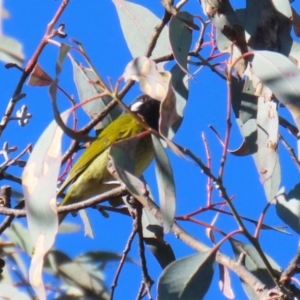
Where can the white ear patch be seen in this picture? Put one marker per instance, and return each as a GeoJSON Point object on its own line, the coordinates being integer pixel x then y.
{"type": "Point", "coordinates": [137, 105]}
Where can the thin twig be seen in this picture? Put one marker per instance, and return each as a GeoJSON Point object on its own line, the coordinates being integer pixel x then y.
{"type": "Point", "coordinates": [116, 192]}
{"type": "Point", "coordinates": [205, 62]}
{"type": "Point", "coordinates": [290, 127]}
{"type": "Point", "coordinates": [141, 291]}
{"type": "Point", "coordinates": [147, 281]}
{"type": "Point", "coordinates": [257, 286]}
{"type": "Point", "coordinates": [15, 160]}
{"type": "Point", "coordinates": [158, 29]}
{"type": "Point", "coordinates": [228, 127]}
{"type": "Point", "coordinates": [122, 261]}
{"type": "Point", "coordinates": [7, 221]}
{"type": "Point", "coordinates": [200, 40]}
{"type": "Point", "coordinates": [209, 186]}
{"type": "Point", "coordinates": [260, 220]}
{"type": "Point", "coordinates": [11, 177]}
{"type": "Point", "coordinates": [222, 190]}
{"type": "Point", "coordinates": [30, 66]}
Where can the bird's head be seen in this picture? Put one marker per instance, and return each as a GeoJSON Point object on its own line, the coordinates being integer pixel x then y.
{"type": "Point", "coordinates": [148, 108]}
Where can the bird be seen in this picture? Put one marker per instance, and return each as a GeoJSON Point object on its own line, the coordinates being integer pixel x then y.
{"type": "Point", "coordinates": [89, 175]}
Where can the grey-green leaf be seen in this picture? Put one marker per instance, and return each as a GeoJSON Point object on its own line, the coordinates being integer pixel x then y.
{"type": "Point", "coordinates": [282, 77]}
{"type": "Point", "coordinates": [63, 51]}
{"type": "Point", "coordinates": [181, 38]}
{"type": "Point", "coordinates": [11, 51]}
{"type": "Point", "coordinates": [87, 88]}
{"type": "Point", "coordinates": [254, 263]}
{"type": "Point", "coordinates": [19, 235]}
{"type": "Point", "coordinates": [10, 292]}
{"type": "Point", "coordinates": [121, 166]}
{"type": "Point", "coordinates": [138, 24]}
{"type": "Point", "coordinates": [172, 108]}
{"type": "Point", "coordinates": [165, 182]}
{"type": "Point", "coordinates": [161, 250]}
{"type": "Point", "coordinates": [288, 207]}
{"type": "Point", "coordinates": [188, 277]}
{"type": "Point", "coordinates": [244, 104]}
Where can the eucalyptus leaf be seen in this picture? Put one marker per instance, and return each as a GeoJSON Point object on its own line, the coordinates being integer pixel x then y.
{"type": "Point", "coordinates": [181, 38]}
{"type": "Point", "coordinates": [282, 77]}
{"type": "Point", "coordinates": [187, 278]}
{"type": "Point", "coordinates": [138, 24]}
{"type": "Point", "coordinates": [11, 50]}
{"type": "Point", "coordinates": [161, 250]}
{"type": "Point", "coordinates": [166, 184]}
{"type": "Point", "coordinates": [39, 180]}
{"type": "Point", "coordinates": [288, 207]}
{"type": "Point", "coordinates": [10, 292]}
{"type": "Point", "coordinates": [254, 263]}
{"type": "Point", "coordinates": [88, 88]}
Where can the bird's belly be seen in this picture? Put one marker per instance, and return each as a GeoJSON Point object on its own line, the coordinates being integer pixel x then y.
{"type": "Point", "coordinates": [96, 179]}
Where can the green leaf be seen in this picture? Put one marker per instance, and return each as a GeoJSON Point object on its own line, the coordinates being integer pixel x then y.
{"type": "Point", "coordinates": [98, 260]}
{"type": "Point", "coordinates": [54, 259]}
{"type": "Point", "coordinates": [255, 265]}
{"type": "Point", "coordinates": [63, 51]}
{"type": "Point", "coordinates": [246, 111]}
{"type": "Point", "coordinates": [20, 263]}
{"type": "Point", "coordinates": [288, 207]}
{"type": "Point", "coordinates": [39, 181]}
{"type": "Point", "coordinates": [230, 31]}
{"type": "Point", "coordinates": [268, 164]}
{"type": "Point", "coordinates": [71, 133]}
{"type": "Point", "coordinates": [78, 274]}
{"type": "Point", "coordinates": [166, 184]}
{"type": "Point", "coordinates": [88, 230]}
{"type": "Point", "coordinates": [19, 235]}
{"type": "Point", "coordinates": [99, 257]}
{"type": "Point", "coordinates": [87, 88]}
{"type": "Point", "coordinates": [121, 166]}
{"type": "Point", "coordinates": [67, 227]}
{"type": "Point", "coordinates": [181, 38]}
{"type": "Point", "coordinates": [153, 238]}
{"type": "Point", "coordinates": [161, 250]}
{"type": "Point", "coordinates": [188, 277]}
{"type": "Point", "coordinates": [138, 25]}
{"type": "Point", "coordinates": [173, 105]}
{"type": "Point", "coordinates": [11, 51]}
{"type": "Point", "coordinates": [151, 226]}
{"type": "Point", "coordinates": [10, 292]}
{"type": "Point", "coordinates": [282, 77]}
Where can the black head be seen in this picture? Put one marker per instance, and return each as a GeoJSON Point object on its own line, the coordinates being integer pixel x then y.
{"type": "Point", "coordinates": [148, 108]}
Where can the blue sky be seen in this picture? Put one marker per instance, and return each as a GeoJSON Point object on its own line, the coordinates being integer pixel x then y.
{"type": "Point", "coordinates": [96, 25]}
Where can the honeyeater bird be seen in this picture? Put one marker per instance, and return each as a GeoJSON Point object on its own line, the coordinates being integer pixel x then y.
{"type": "Point", "coordinates": [89, 175]}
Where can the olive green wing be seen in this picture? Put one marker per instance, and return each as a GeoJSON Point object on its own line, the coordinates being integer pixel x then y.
{"type": "Point", "coordinates": [123, 127]}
